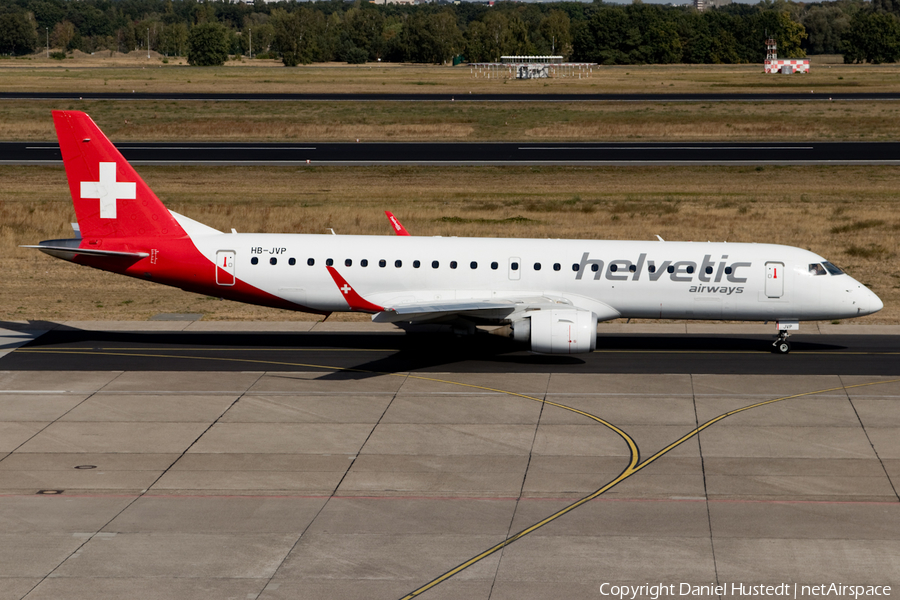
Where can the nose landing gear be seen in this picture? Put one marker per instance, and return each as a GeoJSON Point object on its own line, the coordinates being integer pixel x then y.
{"type": "Point", "coordinates": [781, 345]}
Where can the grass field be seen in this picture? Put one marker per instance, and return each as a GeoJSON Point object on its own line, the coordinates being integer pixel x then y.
{"type": "Point", "coordinates": [848, 214]}
{"type": "Point", "coordinates": [135, 72]}
{"type": "Point", "coordinates": [463, 121]}
{"type": "Point", "coordinates": [436, 121]}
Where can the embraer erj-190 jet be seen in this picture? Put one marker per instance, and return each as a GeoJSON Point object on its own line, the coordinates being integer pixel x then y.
{"type": "Point", "coordinates": [551, 293]}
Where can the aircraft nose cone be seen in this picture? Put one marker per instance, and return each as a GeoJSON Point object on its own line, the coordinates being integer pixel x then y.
{"type": "Point", "coordinates": [874, 304]}
{"type": "Point", "coordinates": [866, 301]}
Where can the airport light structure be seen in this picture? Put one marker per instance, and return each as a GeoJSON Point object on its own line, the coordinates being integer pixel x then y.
{"type": "Point", "coordinates": [786, 66]}
{"type": "Point", "coordinates": [532, 67]}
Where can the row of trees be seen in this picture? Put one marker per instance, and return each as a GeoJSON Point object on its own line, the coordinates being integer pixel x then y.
{"type": "Point", "coordinates": [207, 32]}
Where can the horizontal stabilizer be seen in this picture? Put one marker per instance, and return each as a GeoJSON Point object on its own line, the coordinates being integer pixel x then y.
{"type": "Point", "coordinates": [70, 251]}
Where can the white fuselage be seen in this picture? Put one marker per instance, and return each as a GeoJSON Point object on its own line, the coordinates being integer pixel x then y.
{"type": "Point", "coordinates": [635, 279]}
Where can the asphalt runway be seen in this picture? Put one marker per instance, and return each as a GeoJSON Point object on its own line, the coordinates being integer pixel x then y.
{"type": "Point", "coordinates": [317, 465]}
{"type": "Point", "coordinates": [457, 153]}
{"type": "Point", "coordinates": [366, 354]}
{"type": "Point", "coordinates": [811, 96]}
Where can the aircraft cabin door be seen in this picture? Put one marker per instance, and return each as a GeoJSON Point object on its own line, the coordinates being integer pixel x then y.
{"type": "Point", "coordinates": [774, 279]}
{"type": "Point", "coordinates": [515, 269]}
{"type": "Point", "coordinates": [225, 267]}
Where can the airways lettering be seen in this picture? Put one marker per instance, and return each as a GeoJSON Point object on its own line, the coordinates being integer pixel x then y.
{"type": "Point", "coordinates": [703, 289]}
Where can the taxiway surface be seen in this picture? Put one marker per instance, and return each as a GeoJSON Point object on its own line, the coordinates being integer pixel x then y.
{"type": "Point", "coordinates": [476, 153]}
{"type": "Point", "coordinates": [283, 474]}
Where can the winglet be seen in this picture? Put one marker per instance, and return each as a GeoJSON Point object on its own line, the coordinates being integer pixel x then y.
{"type": "Point", "coordinates": [354, 300]}
{"type": "Point", "coordinates": [398, 228]}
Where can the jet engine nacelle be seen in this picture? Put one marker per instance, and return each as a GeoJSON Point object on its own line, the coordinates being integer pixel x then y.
{"type": "Point", "coordinates": [558, 331]}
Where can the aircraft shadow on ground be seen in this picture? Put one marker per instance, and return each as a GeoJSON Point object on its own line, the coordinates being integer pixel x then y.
{"type": "Point", "coordinates": [390, 353]}
{"type": "Point", "coordinates": [376, 353]}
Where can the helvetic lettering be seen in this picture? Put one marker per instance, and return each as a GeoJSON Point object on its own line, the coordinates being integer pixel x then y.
{"type": "Point", "coordinates": [657, 273]}
{"type": "Point", "coordinates": [585, 262]}
{"type": "Point", "coordinates": [733, 275]}
{"type": "Point", "coordinates": [620, 273]}
{"type": "Point", "coordinates": [702, 275]}
{"type": "Point", "coordinates": [639, 267]}
{"type": "Point", "coordinates": [682, 271]}
{"type": "Point", "coordinates": [721, 269]}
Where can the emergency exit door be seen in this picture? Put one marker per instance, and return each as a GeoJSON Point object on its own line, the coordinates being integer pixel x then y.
{"type": "Point", "coordinates": [225, 267]}
{"type": "Point", "coordinates": [774, 279]}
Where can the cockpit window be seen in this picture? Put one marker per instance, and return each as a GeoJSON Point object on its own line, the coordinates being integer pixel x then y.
{"type": "Point", "coordinates": [817, 269]}
{"type": "Point", "coordinates": [832, 269]}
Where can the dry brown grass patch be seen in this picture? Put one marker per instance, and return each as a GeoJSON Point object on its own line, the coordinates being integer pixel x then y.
{"type": "Point", "coordinates": [735, 204]}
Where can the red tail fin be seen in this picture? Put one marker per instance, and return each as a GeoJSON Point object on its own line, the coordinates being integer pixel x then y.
{"type": "Point", "coordinates": [111, 200]}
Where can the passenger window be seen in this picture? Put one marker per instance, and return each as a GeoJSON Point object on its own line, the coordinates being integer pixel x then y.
{"type": "Point", "coordinates": [364, 262]}
{"type": "Point", "coordinates": [595, 267]}
{"type": "Point", "coordinates": [348, 262]}
{"type": "Point", "coordinates": [382, 263]}
{"type": "Point", "coordinates": [329, 262]}
{"type": "Point", "coordinates": [632, 268]}
{"type": "Point", "coordinates": [494, 265]}
{"type": "Point", "coordinates": [273, 261]}
{"type": "Point", "coordinates": [310, 261]}
{"type": "Point", "coordinates": [613, 267]}
{"type": "Point", "coordinates": [709, 270]}
{"type": "Point", "coordinates": [514, 266]}
{"type": "Point", "coordinates": [575, 267]}
{"type": "Point", "coordinates": [652, 268]}
{"type": "Point", "coordinates": [670, 269]}
{"type": "Point", "coordinates": [452, 264]}
{"type": "Point", "coordinates": [435, 264]}
{"type": "Point", "coordinates": [416, 264]}
{"type": "Point", "coordinates": [728, 270]}
{"type": "Point", "coordinates": [292, 261]}
{"type": "Point", "coordinates": [690, 269]}
{"type": "Point", "coordinates": [398, 263]}
{"type": "Point", "coordinates": [537, 266]}
{"type": "Point", "coordinates": [557, 266]}
{"type": "Point", "coordinates": [254, 260]}
{"type": "Point", "coordinates": [473, 265]}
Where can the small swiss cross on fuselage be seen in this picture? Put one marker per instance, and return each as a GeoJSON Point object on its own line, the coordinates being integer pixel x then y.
{"type": "Point", "coordinates": [346, 289]}
{"type": "Point", "coordinates": [108, 190]}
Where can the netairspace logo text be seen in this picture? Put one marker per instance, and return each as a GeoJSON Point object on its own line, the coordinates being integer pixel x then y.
{"type": "Point", "coordinates": [737, 590]}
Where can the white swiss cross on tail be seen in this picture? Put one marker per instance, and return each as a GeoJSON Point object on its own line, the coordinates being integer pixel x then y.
{"type": "Point", "coordinates": [108, 190]}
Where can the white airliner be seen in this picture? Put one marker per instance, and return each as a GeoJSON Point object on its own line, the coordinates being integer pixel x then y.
{"type": "Point", "coordinates": [551, 293]}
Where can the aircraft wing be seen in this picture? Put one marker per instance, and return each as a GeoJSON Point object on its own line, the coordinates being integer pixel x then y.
{"type": "Point", "coordinates": [489, 309]}
{"type": "Point", "coordinates": [387, 310]}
